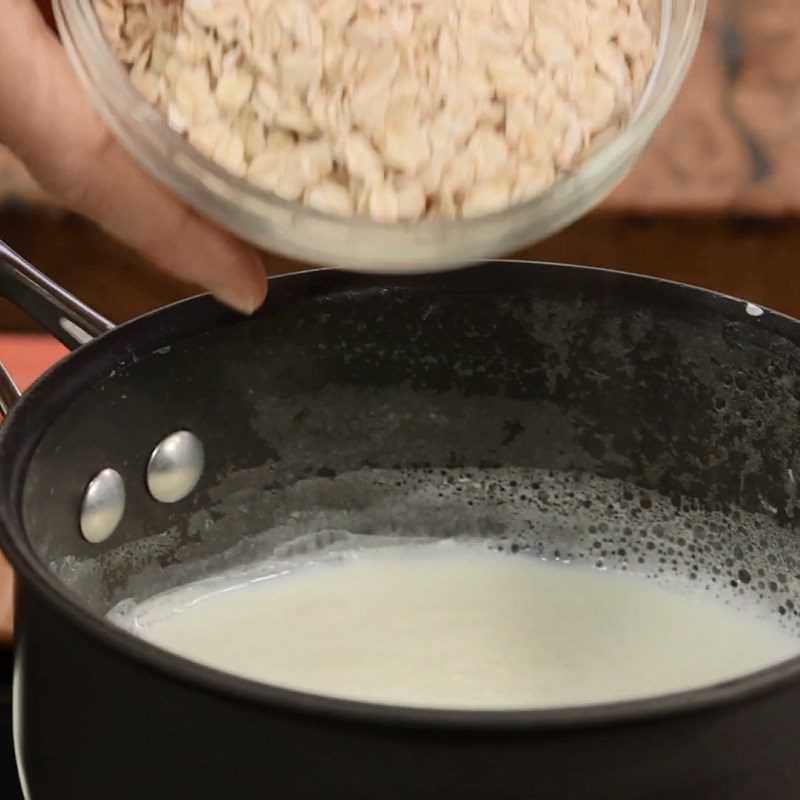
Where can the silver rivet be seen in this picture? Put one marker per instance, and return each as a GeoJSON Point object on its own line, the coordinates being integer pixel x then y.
{"type": "Point", "coordinates": [175, 467]}
{"type": "Point", "coordinates": [103, 505]}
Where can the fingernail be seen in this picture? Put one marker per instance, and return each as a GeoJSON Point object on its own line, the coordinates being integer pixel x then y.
{"type": "Point", "coordinates": [244, 302]}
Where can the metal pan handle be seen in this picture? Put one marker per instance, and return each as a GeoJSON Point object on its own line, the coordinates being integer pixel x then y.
{"type": "Point", "coordinates": [68, 319]}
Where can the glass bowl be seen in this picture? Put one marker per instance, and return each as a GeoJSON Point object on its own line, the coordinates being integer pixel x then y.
{"type": "Point", "coordinates": [357, 243]}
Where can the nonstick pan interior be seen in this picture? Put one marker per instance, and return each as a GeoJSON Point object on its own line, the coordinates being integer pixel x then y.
{"type": "Point", "coordinates": [575, 414]}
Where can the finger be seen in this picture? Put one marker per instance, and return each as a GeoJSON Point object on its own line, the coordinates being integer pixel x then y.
{"type": "Point", "coordinates": [124, 201]}
{"type": "Point", "coordinates": [46, 10]}
{"type": "Point", "coordinates": [48, 121]}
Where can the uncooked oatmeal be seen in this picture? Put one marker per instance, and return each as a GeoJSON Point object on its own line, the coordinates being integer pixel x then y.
{"type": "Point", "coordinates": [392, 109]}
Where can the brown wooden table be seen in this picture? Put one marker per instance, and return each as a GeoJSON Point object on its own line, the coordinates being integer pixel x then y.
{"type": "Point", "coordinates": [714, 200]}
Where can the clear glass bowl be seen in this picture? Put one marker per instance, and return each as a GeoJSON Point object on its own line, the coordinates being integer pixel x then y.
{"type": "Point", "coordinates": [361, 244]}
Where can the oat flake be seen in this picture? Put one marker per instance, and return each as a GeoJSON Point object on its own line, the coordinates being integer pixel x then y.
{"type": "Point", "coordinates": [395, 109]}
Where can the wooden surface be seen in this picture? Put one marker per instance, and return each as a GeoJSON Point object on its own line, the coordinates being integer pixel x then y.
{"type": "Point", "coordinates": [27, 357]}
{"type": "Point", "coordinates": [731, 142]}
{"type": "Point", "coordinates": [714, 199]}
{"type": "Point", "coordinates": [753, 258]}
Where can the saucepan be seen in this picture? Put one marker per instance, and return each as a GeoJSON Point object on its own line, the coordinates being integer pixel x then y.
{"type": "Point", "coordinates": [193, 438]}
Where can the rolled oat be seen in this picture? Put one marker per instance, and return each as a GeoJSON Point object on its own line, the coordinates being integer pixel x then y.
{"type": "Point", "coordinates": [395, 109]}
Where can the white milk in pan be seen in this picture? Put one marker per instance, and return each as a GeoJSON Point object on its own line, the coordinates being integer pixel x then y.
{"type": "Point", "coordinates": [460, 626]}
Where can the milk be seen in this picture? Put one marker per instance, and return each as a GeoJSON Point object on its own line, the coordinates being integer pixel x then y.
{"type": "Point", "coordinates": [461, 626]}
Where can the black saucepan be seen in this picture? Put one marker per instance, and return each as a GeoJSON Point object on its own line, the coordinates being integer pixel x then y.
{"type": "Point", "coordinates": [574, 413]}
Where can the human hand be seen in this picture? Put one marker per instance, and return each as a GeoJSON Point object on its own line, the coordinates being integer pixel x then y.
{"type": "Point", "coordinates": [48, 122]}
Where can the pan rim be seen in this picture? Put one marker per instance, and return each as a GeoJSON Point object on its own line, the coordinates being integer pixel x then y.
{"type": "Point", "coordinates": [200, 313]}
